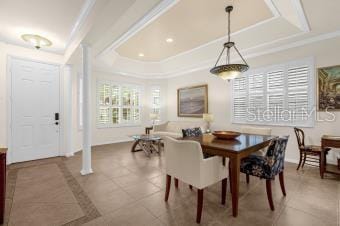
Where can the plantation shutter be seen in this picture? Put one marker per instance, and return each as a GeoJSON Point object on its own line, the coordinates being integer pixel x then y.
{"type": "Point", "coordinates": [156, 101]}
{"type": "Point", "coordinates": [256, 98]}
{"type": "Point", "coordinates": [104, 96]}
{"type": "Point", "coordinates": [239, 99]}
{"type": "Point", "coordinates": [298, 92]}
{"type": "Point", "coordinates": [275, 95]}
{"type": "Point", "coordinates": [117, 104]}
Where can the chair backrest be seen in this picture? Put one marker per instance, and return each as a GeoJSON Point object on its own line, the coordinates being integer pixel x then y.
{"type": "Point", "coordinates": [177, 126]}
{"type": "Point", "coordinates": [256, 130]}
{"type": "Point", "coordinates": [300, 136]}
{"type": "Point", "coordinates": [275, 155]}
{"type": "Point", "coordinates": [183, 159]}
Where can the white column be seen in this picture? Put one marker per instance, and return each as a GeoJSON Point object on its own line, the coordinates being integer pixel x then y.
{"type": "Point", "coordinates": [68, 110]}
{"type": "Point", "coordinates": [86, 153]}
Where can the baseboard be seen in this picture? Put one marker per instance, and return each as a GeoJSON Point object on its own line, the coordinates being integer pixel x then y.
{"type": "Point", "coordinates": [99, 144]}
{"type": "Point", "coordinates": [292, 160]}
{"type": "Point", "coordinates": [114, 142]}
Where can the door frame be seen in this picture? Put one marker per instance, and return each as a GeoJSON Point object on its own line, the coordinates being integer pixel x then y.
{"type": "Point", "coordinates": [9, 104]}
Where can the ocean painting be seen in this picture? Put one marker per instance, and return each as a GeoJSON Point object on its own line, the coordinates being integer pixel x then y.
{"type": "Point", "coordinates": [192, 101]}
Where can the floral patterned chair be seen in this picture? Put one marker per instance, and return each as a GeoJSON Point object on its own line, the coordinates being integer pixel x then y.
{"type": "Point", "coordinates": [268, 166]}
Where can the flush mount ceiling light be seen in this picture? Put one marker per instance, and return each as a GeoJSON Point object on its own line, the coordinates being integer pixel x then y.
{"type": "Point", "coordinates": [36, 40]}
{"type": "Point", "coordinates": [229, 71]}
{"type": "Point", "coordinates": [169, 40]}
{"type": "Point", "coordinates": [141, 54]}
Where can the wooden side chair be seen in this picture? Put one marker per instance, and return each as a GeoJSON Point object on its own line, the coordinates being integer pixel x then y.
{"type": "Point", "coordinates": [268, 166]}
{"type": "Point", "coordinates": [185, 162]}
{"type": "Point", "coordinates": [309, 154]}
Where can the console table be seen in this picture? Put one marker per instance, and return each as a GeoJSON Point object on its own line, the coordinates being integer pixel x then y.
{"type": "Point", "coordinates": [331, 142]}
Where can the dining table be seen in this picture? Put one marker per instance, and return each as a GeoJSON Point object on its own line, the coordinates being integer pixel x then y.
{"type": "Point", "coordinates": [235, 150]}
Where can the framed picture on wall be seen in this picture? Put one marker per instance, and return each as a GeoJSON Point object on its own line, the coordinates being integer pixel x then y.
{"type": "Point", "coordinates": [329, 88]}
{"type": "Point", "coordinates": [192, 101]}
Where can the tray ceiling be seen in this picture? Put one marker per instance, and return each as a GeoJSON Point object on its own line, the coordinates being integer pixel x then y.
{"type": "Point", "coordinates": [191, 23]}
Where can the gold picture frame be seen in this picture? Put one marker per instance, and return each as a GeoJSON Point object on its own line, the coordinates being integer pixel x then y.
{"type": "Point", "coordinates": [192, 101]}
{"type": "Point", "coordinates": [328, 88]}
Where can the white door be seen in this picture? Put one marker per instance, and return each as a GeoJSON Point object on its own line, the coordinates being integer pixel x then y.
{"type": "Point", "coordinates": [35, 101]}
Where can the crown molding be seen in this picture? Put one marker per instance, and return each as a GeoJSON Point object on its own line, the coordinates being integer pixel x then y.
{"type": "Point", "coordinates": [301, 14]}
{"type": "Point", "coordinates": [207, 63]}
{"type": "Point", "coordinates": [157, 11]}
{"type": "Point", "coordinates": [84, 12]}
{"type": "Point", "coordinates": [269, 3]}
{"type": "Point", "coordinates": [162, 8]}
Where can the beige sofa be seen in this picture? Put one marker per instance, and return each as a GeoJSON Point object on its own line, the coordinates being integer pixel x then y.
{"type": "Point", "coordinates": [174, 128]}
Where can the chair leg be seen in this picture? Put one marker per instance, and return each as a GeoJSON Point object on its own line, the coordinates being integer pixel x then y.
{"type": "Point", "coordinates": [247, 178]}
{"type": "Point", "coordinates": [304, 160]}
{"type": "Point", "coordinates": [199, 205]}
{"type": "Point", "coordinates": [299, 161]}
{"type": "Point", "coordinates": [320, 163]}
{"type": "Point", "coordinates": [282, 183]}
{"type": "Point", "coordinates": [224, 190]}
{"type": "Point", "coordinates": [229, 176]}
{"type": "Point", "coordinates": [190, 186]}
{"type": "Point", "coordinates": [167, 190]}
{"type": "Point", "coordinates": [269, 194]}
{"type": "Point", "coordinates": [176, 182]}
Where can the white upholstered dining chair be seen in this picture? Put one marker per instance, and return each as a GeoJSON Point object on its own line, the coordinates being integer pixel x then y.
{"type": "Point", "coordinates": [185, 161]}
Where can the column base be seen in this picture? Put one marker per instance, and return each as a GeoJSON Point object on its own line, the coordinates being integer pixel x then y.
{"type": "Point", "coordinates": [86, 172]}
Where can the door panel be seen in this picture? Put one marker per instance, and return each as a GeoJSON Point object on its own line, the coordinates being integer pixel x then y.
{"type": "Point", "coordinates": [35, 100]}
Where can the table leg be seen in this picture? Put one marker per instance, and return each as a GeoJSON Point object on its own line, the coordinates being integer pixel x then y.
{"type": "Point", "coordinates": [235, 181]}
{"type": "Point", "coordinates": [322, 162]}
{"type": "Point", "coordinates": [133, 148]}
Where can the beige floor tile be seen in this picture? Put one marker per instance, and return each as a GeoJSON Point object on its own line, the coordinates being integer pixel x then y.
{"type": "Point", "coordinates": [132, 215]}
{"type": "Point", "coordinates": [141, 190]}
{"type": "Point", "coordinates": [110, 201]}
{"type": "Point", "coordinates": [295, 217]}
{"type": "Point", "coordinates": [44, 214]}
{"type": "Point", "coordinates": [128, 189]}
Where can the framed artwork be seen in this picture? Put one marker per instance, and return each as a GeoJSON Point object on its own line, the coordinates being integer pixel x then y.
{"type": "Point", "coordinates": [192, 101]}
{"type": "Point", "coordinates": [329, 88]}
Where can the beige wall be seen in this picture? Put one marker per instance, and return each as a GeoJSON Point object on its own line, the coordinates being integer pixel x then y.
{"type": "Point", "coordinates": [115, 134]}
{"type": "Point", "coordinates": [325, 53]}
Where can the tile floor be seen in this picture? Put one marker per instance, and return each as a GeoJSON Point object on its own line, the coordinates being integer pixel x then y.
{"type": "Point", "coordinates": [128, 189]}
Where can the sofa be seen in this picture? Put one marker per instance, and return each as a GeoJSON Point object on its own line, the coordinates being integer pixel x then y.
{"type": "Point", "coordinates": [174, 128]}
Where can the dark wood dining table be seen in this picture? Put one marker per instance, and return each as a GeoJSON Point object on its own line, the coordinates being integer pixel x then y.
{"type": "Point", "coordinates": [235, 150]}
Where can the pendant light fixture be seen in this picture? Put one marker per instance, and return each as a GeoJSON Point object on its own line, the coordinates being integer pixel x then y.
{"type": "Point", "coordinates": [229, 71]}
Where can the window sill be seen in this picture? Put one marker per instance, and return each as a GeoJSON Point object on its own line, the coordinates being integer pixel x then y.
{"type": "Point", "coordinates": [118, 126]}
{"type": "Point", "coordinates": [309, 125]}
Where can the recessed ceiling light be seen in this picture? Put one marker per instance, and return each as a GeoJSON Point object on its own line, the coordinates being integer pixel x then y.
{"type": "Point", "coordinates": [36, 40]}
{"type": "Point", "coordinates": [141, 54]}
{"type": "Point", "coordinates": [169, 40]}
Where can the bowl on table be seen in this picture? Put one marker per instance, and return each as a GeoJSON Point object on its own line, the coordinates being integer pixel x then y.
{"type": "Point", "coordinates": [226, 135]}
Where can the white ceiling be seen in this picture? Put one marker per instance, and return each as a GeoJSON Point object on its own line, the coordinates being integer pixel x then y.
{"type": "Point", "coordinates": [293, 23]}
{"type": "Point", "coordinates": [191, 23]}
{"type": "Point", "coordinates": [53, 19]}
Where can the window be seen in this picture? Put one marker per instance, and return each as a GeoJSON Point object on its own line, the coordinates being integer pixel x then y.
{"type": "Point", "coordinates": [117, 104]}
{"type": "Point", "coordinates": [80, 101]}
{"type": "Point", "coordinates": [156, 101]}
{"type": "Point", "coordinates": [277, 95]}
